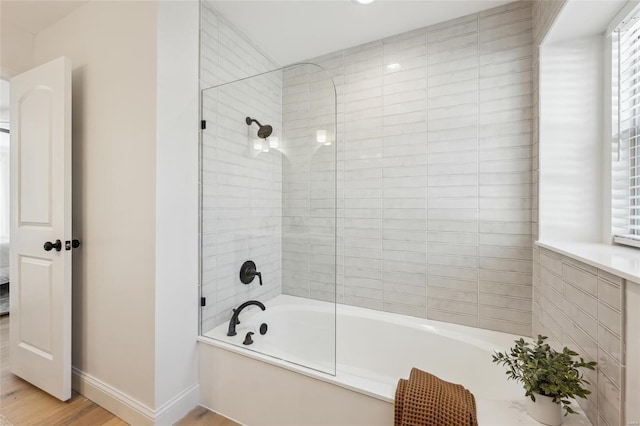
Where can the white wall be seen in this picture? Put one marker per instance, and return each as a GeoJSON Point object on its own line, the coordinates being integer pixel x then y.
{"type": "Point", "coordinates": [571, 133]}
{"type": "Point", "coordinates": [135, 135]}
{"type": "Point", "coordinates": [112, 46]}
{"type": "Point", "coordinates": [176, 316]}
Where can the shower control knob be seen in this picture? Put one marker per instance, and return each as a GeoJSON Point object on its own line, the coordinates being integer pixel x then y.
{"type": "Point", "coordinates": [248, 272]}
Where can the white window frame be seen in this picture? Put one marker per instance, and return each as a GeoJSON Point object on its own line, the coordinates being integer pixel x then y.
{"type": "Point", "coordinates": [625, 108]}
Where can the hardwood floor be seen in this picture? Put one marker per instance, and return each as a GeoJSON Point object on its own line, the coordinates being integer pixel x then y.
{"type": "Point", "coordinates": [200, 416]}
{"type": "Point", "coordinates": [24, 404]}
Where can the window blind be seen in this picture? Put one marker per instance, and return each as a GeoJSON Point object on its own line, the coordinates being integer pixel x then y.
{"type": "Point", "coordinates": [626, 148]}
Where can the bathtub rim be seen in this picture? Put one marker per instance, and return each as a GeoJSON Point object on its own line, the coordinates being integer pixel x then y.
{"type": "Point", "coordinates": [482, 338]}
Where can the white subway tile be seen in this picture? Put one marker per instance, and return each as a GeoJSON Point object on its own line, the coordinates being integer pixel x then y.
{"type": "Point", "coordinates": [456, 27]}
{"type": "Point", "coordinates": [520, 291]}
{"type": "Point", "coordinates": [451, 55]}
{"type": "Point", "coordinates": [514, 278]}
{"type": "Point", "coordinates": [609, 400]}
{"type": "Point", "coordinates": [457, 261]}
{"type": "Point", "coordinates": [452, 43]}
{"type": "Point", "coordinates": [452, 225]}
{"type": "Point", "coordinates": [451, 306]}
{"type": "Point", "coordinates": [506, 29]}
{"type": "Point", "coordinates": [470, 274]}
{"type": "Point", "coordinates": [521, 228]}
{"type": "Point", "coordinates": [580, 279]}
{"type": "Point", "coordinates": [451, 284]}
{"type": "Point", "coordinates": [500, 313]}
{"type": "Point", "coordinates": [610, 318]}
{"type": "Point", "coordinates": [496, 20]}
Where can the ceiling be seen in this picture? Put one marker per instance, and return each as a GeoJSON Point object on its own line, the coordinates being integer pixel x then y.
{"type": "Point", "coordinates": [35, 16]}
{"type": "Point", "coordinates": [581, 18]}
{"type": "Point", "coordinates": [291, 31]}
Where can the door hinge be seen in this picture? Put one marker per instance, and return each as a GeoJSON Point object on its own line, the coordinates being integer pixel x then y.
{"type": "Point", "coordinates": [203, 124]}
{"type": "Point", "coordinates": [203, 301]}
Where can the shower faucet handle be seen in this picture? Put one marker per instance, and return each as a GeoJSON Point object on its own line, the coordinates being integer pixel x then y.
{"type": "Point", "coordinates": [248, 272]}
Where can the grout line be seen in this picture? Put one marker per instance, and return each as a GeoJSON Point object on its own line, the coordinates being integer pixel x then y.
{"type": "Point", "coordinates": [478, 159]}
{"type": "Point", "coordinates": [426, 189]}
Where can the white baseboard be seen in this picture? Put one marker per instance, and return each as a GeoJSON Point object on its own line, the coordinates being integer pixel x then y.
{"type": "Point", "coordinates": [111, 399]}
{"type": "Point", "coordinates": [131, 410]}
{"type": "Point", "coordinates": [178, 407]}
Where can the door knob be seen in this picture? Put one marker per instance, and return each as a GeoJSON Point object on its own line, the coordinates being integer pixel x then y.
{"type": "Point", "coordinates": [71, 244]}
{"type": "Point", "coordinates": [48, 246]}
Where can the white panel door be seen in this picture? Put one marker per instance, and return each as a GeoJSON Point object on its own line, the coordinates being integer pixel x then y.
{"type": "Point", "coordinates": [40, 318]}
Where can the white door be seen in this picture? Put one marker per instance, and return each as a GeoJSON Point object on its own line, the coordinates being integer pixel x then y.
{"type": "Point", "coordinates": [40, 318]}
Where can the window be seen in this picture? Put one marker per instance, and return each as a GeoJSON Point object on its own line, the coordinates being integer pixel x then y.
{"type": "Point", "coordinates": [625, 211]}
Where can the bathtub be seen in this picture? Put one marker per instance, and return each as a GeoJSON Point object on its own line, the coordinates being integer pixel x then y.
{"type": "Point", "coordinates": [349, 379]}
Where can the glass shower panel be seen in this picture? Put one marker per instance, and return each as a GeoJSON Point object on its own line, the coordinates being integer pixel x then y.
{"type": "Point", "coordinates": [268, 185]}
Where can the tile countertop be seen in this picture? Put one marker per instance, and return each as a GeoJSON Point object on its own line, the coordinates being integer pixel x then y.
{"type": "Point", "coordinates": [615, 259]}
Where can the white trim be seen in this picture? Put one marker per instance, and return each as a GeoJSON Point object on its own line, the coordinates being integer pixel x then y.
{"type": "Point", "coordinates": [178, 407]}
{"type": "Point", "coordinates": [131, 410]}
{"type": "Point", "coordinates": [618, 260]}
{"type": "Point", "coordinates": [626, 10]}
{"type": "Point", "coordinates": [111, 399]}
{"type": "Point", "coordinates": [622, 239]}
{"type": "Point", "coordinates": [607, 137]}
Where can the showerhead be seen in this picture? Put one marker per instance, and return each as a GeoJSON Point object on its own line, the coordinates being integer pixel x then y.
{"type": "Point", "coordinates": [263, 131]}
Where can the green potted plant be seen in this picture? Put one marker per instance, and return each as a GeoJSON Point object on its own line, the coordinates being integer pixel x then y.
{"type": "Point", "coordinates": [550, 378]}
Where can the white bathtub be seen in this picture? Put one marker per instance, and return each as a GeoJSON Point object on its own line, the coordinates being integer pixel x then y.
{"type": "Point", "coordinates": [372, 350]}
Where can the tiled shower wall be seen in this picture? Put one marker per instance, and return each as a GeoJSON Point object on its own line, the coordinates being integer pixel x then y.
{"type": "Point", "coordinates": [582, 307]}
{"type": "Point", "coordinates": [241, 186]}
{"type": "Point", "coordinates": [434, 173]}
{"type": "Point", "coordinates": [309, 183]}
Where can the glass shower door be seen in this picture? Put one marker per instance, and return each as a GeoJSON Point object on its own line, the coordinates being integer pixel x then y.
{"type": "Point", "coordinates": [268, 215]}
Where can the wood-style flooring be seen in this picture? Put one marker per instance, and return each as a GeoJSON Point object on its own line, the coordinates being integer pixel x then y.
{"type": "Point", "coordinates": [24, 404]}
{"type": "Point", "coordinates": [200, 416]}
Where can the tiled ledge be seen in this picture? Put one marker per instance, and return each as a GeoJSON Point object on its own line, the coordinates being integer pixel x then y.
{"type": "Point", "coordinates": [618, 260]}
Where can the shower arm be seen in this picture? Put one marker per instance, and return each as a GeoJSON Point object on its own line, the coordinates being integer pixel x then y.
{"type": "Point", "coordinates": [250, 120]}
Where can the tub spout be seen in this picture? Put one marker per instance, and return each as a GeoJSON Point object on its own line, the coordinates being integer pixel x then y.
{"type": "Point", "coordinates": [236, 313]}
